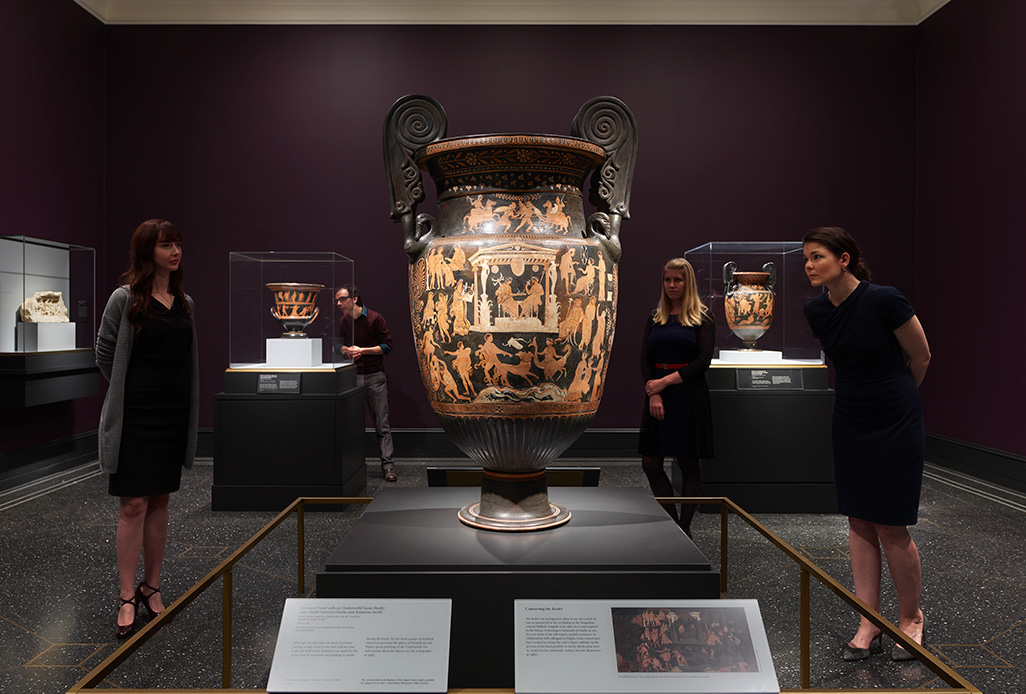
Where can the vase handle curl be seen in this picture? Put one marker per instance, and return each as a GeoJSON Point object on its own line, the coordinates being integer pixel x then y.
{"type": "Point", "coordinates": [728, 276]}
{"type": "Point", "coordinates": [606, 121]}
{"type": "Point", "coordinates": [413, 121]}
{"type": "Point", "coordinates": [771, 268]}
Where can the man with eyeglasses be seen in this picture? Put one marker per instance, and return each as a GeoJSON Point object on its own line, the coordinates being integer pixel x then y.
{"type": "Point", "coordinates": [371, 342]}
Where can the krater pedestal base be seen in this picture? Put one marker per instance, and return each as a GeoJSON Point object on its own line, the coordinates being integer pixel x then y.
{"type": "Point", "coordinates": [512, 502]}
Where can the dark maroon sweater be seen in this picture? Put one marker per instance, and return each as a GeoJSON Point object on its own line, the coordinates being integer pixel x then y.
{"type": "Point", "coordinates": [369, 330]}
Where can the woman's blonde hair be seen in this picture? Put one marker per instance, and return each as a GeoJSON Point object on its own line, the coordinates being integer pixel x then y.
{"type": "Point", "coordinates": [691, 306]}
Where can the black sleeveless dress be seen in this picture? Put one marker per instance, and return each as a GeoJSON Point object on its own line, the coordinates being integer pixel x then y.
{"type": "Point", "coordinates": [156, 410]}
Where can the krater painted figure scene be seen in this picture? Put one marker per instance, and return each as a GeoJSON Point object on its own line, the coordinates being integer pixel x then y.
{"type": "Point", "coordinates": [295, 306]}
{"type": "Point", "coordinates": [748, 302]}
{"type": "Point", "coordinates": [512, 289]}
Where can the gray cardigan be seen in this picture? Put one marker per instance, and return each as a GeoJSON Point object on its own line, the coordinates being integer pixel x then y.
{"type": "Point", "coordinates": [113, 350]}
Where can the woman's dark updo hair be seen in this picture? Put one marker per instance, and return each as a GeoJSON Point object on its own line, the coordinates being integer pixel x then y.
{"type": "Point", "coordinates": [838, 241]}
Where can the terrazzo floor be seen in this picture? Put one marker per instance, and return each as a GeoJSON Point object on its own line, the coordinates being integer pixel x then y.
{"type": "Point", "coordinates": [58, 583]}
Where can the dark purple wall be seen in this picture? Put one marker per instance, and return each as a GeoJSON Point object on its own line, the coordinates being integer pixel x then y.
{"type": "Point", "coordinates": [269, 138]}
{"type": "Point", "coordinates": [972, 219]}
{"type": "Point", "coordinates": [51, 162]}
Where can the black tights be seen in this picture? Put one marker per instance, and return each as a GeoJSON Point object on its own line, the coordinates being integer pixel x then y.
{"type": "Point", "coordinates": [660, 484]}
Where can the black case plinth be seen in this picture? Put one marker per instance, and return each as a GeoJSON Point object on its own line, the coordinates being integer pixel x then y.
{"type": "Point", "coordinates": [28, 379]}
{"type": "Point", "coordinates": [773, 447]}
{"type": "Point", "coordinates": [270, 448]}
{"type": "Point", "coordinates": [409, 543]}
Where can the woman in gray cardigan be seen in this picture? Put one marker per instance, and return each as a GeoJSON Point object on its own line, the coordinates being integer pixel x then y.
{"type": "Point", "coordinates": [146, 349]}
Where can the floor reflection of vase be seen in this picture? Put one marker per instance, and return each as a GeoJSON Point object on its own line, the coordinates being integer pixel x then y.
{"type": "Point", "coordinates": [295, 306]}
{"type": "Point", "coordinates": [512, 289]}
{"type": "Point", "coordinates": [748, 302]}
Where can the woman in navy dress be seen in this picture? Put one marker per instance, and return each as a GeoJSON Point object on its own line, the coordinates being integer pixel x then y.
{"type": "Point", "coordinates": [146, 348]}
{"type": "Point", "coordinates": [676, 351]}
{"type": "Point", "coordinates": [880, 355]}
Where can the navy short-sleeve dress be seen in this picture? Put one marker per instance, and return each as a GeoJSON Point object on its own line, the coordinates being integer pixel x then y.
{"type": "Point", "coordinates": [878, 435]}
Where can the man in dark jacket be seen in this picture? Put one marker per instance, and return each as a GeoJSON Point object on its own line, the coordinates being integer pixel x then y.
{"type": "Point", "coordinates": [371, 341]}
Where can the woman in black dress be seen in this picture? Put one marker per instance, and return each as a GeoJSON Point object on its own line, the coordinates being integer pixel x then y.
{"type": "Point", "coordinates": [880, 355]}
{"type": "Point", "coordinates": [146, 348]}
{"type": "Point", "coordinates": [676, 350]}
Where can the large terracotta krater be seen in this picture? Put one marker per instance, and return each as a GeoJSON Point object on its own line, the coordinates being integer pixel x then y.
{"type": "Point", "coordinates": [748, 302]}
{"type": "Point", "coordinates": [512, 289]}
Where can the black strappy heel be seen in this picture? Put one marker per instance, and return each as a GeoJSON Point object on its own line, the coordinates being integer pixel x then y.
{"type": "Point", "coordinates": [123, 632]}
{"type": "Point", "coordinates": [141, 597]}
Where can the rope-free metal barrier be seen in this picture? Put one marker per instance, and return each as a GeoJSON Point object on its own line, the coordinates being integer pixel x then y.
{"type": "Point", "coordinates": [808, 570]}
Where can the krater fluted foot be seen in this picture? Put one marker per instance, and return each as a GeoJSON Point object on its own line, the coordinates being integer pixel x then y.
{"type": "Point", "coordinates": [514, 502]}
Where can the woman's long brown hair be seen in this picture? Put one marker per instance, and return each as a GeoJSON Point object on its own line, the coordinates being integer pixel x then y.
{"type": "Point", "coordinates": [141, 269]}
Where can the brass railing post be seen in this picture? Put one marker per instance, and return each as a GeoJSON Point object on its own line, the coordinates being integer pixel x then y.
{"type": "Point", "coordinates": [226, 629]}
{"type": "Point", "coordinates": [301, 553]}
{"type": "Point", "coordinates": [807, 569]}
{"type": "Point", "coordinates": [806, 629]}
{"type": "Point", "coordinates": [724, 516]}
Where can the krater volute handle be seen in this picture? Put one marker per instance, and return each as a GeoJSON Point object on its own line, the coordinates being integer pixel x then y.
{"type": "Point", "coordinates": [413, 121]}
{"type": "Point", "coordinates": [606, 121]}
{"type": "Point", "coordinates": [771, 268]}
{"type": "Point", "coordinates": [728, 275]}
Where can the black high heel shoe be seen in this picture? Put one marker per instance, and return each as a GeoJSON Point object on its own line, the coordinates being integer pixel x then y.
{"type": "Point", "coordinates": [900, 654]}
{"type": "Point", "coordinates": [875, 648]}
{"type": "Point", "coordinates": [123, 632]}
{"type": "Point", "coordinates": [141, 597]}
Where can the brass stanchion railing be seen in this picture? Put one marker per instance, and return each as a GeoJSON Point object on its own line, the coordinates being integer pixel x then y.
{"type": "Point", "coordinates": [224, 572]}
{"type": "Point", "coordinates": [806, 567]}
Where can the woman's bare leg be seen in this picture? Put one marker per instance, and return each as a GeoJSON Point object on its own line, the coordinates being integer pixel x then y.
{"type": "Point", "coordinates": [154, 542]}
{"type": "Point", "coordinates": [866, 566]}
{"type": "Point", "coordinates": [907, 574]}
{"type": "Point", "coordinates": [129, 545]}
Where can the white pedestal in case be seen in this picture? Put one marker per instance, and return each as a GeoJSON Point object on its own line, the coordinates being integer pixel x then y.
{"type": "Point", "coordinates": [294, 353]}
{"type": "Point", "coordinates": [45, 337]}
{"type": "Point", "coordinates": [755, 356]}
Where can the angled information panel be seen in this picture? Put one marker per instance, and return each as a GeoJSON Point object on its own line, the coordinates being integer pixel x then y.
{"type": "Point", "coordinates": [362, 645]}
{"type": "Point", "coordinates": [641, 646]}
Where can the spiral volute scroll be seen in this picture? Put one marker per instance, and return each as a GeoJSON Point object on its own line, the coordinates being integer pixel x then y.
{"type": "Point", "coordinates": [413, 121]}
{"type": "Point", "coordinates": [607, 122]}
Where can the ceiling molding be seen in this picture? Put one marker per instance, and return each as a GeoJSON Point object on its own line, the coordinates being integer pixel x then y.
{"type": "Point", "coordinates": [842, 12]}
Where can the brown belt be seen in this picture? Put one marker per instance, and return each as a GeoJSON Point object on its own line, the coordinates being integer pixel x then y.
{"type": "Point", "coordinates": [670, 367]}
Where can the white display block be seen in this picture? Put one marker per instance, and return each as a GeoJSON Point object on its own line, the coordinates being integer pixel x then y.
{"type": "Point", "coordinates": [641, 647]}
{"type": "Point", "coordinates": [761, 356]}
{"type": "Point", "coordinates": [294, 352]}
{"type": "Point", "coordinates": [45, 337]}
{"type": "Point", "coordinates": [362, 645]}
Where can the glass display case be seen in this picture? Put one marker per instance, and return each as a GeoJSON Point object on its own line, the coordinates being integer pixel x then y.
{"type": "Point", "coordinates": [757, 291]}
{"type": "Point", "coordinates": [47, 295]}
{"type": "Point", "coordinates": [282, 312]}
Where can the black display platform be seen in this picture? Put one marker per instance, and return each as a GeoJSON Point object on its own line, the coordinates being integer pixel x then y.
{"type": "Point", "coordinates": [270, 448]}
{"type": "Point", "coordinates": [773, 446]}
{"type": "Point", "coordinates": [28, 379]}
{"type": "Point", "coordinates": [619, 544]}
